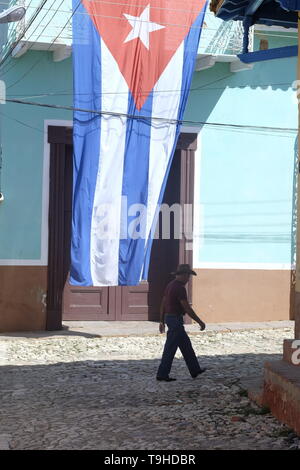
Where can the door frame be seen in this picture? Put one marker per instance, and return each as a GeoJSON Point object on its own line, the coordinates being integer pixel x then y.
{"type": "Point", "coordinates": [187, 144]}
{"type": "Point", "coordinates": [58, 138]}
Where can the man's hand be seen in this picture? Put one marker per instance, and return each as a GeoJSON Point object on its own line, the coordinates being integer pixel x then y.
{"type": "Point", "coordinates": [162, 327]}
{"type": "Point", "coordinates": [202, 325]}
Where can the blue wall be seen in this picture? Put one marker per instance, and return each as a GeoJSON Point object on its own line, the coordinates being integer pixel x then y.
{"type": "Point", "coordinates": [23, 148]}
{"type": "Point", "coordinates": [246, 177]}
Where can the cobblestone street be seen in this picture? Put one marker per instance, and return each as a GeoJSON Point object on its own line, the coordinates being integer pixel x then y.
{"type": "Point", "coordinates": [84, 392]}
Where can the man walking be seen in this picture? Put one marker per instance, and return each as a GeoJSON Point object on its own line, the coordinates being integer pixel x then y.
{"type": "Point", "coordinates": [173, 306]}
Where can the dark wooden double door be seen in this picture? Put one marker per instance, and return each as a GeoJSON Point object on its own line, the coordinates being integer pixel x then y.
{"type": "Point", "coordinates": [110, 303]}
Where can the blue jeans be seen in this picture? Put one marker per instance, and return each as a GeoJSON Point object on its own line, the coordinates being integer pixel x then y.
{"type": "Point", "coordinates": [177, 338]}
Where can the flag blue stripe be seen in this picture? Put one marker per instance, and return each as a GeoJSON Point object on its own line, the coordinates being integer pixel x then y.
{"type": "Point", "coordinates": [190, 54]}
{"type": "Point", "coordinates": [86, 139]}
{"type": "Point", "coordinates": [135, 189]}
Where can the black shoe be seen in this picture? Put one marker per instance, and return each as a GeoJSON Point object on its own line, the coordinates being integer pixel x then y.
{"type": "Point", "coordinates": [167, 379]}
{"type": "Point", "coordinates": [200, 372]}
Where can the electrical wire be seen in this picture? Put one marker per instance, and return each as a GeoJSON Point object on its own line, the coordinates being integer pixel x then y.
{"type": "Point", "coordinates": [205, 87]}
{"type": "Point", "coordinates": [192, 89]}
{"type": "Point", "coordinates": [43, 2]}
{"type": "Point", "coordinates": [134, 117]}
{"type": "Point", "coordinates": [4, 72]}
{"type": "Point", "coordinates": [39, 60]}
{"type": "Point", "coordinates": [153, 7]}
{"type": "Point", "coordinates": [154, 118]}
{"type": "Point", "coordinates": [12, 31]}
{"type": "Point", "coordinates": [34, 65]}
{"type": "Point", "coordinates": [22, 123]}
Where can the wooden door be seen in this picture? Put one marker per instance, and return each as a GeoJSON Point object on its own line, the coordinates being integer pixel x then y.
{"type": "Point", "coordinates": [167, 254]}
{"type": "Point", "coordinates": [89, 303]}
{"type": "Point", "coordinates": [108, 303]}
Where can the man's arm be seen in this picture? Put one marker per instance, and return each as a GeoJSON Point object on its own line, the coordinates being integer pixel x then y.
{"type": "Point", "coordinates": [188, 309]}
{"type": "Point", "coordinates": [162, 316]}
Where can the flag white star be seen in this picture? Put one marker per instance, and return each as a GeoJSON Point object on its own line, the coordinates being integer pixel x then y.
{"type": "Point", "coordinates": [142, 27]}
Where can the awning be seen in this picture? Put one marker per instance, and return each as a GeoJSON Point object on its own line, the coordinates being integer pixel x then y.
{"type": "Point", "coordinates": [267, 12]}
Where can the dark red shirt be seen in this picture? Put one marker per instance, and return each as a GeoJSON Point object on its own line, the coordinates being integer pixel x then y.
{"type": "Point", "coordinates": [174, 293]}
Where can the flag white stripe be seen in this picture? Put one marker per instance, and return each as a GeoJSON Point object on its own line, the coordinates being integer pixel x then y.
{"type": "Point", "coordinates": [163, 134]}
{"type": "Point", "coordinates": [108, 193]}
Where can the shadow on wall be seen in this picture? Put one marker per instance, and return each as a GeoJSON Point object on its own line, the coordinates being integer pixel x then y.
{"type": "Point", "coordinates": [209, 85]}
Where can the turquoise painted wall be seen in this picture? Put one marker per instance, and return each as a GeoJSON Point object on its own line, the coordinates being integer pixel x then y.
{"type": "Point", "coordinates": [246, 178]}
{"type": "Point", "coordinates": [23, 148]}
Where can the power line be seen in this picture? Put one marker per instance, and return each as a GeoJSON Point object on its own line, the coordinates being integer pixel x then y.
{"type": "Point", "coordinates": [64, 93]}
{"type": "Point", "coordinates": [32, 34]}
{"type": "Point", "coordinates": [204, 87]}
{"type": "Point", "coordinates": [39, 60]}
{"type": "Point", "coordinates": [15, 45]}
{"type": "Point", "coordinates": [115, 17]}
{"type": "Point", "coordinates": [22, 123]}
{"type": "Point", "coordinates": [43, 2]}
{"type": "Point", "coordinates": [154, 118]}
{"type": "Point", "coordinates": [192, 89]}
{"type": "Point", "coordinates": [77, 13]}
{"type": "Point", "coordinates": [144, 5]}
{"type": "Point", "coordinates": [61, 30]}
{"type": "Point", "coordinates": [8, 68]}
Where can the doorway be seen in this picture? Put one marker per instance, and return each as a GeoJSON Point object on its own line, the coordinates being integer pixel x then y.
{"type": "Point", "coordinates": [66, 302]}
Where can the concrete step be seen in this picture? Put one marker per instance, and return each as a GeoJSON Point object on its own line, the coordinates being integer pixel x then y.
{"type": "Point", "coordinates": [282, 392]}
{"type": "Point", "coordinates": [291, 351]}
{"type": "Point", "coordinates": [255, 389]}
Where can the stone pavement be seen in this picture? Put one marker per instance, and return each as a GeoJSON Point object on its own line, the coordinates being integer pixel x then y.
{"type": "Point", "coordinates": [144, 328]}
{"type": "Point", "coordinates": [85, 389]}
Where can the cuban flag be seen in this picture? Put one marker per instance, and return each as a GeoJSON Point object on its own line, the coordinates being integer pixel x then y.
{"type": "Point", "coordinates": [133, 65]}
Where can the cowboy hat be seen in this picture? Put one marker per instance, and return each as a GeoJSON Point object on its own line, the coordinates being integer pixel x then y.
{"type": "Point", "coordinates": [184, 269]}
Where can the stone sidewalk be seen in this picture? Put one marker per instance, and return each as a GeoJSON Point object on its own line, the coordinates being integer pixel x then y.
{"type": "Point", "coordinates": [143, 328]}
{"type": "Point", "coordinates": [89, 390]}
